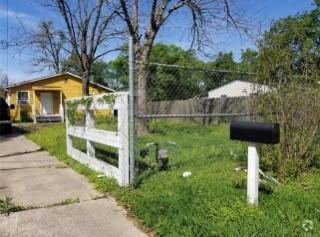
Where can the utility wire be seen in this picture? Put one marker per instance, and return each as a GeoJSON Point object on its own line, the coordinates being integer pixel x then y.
{"type": "Point", "coordinates": [7, 32]}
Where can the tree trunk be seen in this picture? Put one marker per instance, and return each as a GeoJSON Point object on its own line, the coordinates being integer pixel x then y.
{"type": "Point", "coordinates": [85, 83]}
{"type": "Point", "coordinates": [143, 74]}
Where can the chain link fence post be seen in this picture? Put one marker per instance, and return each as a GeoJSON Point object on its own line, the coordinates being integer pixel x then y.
{"type": "Point", "coordinates": [131, 110]}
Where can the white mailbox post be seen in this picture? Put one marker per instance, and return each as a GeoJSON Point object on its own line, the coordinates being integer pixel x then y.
{"type": "Point", "coordinates": [253, 174]}
{"type": "Point", "coordinates": [254, 133]}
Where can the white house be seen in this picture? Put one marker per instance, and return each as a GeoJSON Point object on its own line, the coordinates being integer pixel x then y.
{"type": "Point", "coordinates": [237, 88]}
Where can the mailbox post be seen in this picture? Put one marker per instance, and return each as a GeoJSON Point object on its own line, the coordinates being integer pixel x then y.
{"type": "Point", "coordinates": [253, 174]}
{"type": "Point", "coordinates": [254, 133]}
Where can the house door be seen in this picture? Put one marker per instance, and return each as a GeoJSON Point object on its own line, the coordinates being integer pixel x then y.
{"type": "Point", "coordinates": [46, 103]}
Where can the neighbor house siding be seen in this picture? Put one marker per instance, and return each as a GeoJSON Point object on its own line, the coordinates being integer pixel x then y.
{"type": "Point", "coordinates": [237, 89]}
{"type": "Point", "coordinates": [70, 87]}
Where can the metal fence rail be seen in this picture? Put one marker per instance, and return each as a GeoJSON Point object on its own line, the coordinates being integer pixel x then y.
{"type": "Point", "coordinates": [193, 115]}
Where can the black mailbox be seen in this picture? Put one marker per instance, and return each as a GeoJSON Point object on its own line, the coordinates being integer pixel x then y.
{"type": "Point", "coordinates": [267, 133]}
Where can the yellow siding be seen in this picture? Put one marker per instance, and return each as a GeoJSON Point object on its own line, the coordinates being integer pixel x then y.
{"type": "Point", "coordinates": [103, 113]}
{"type": "Point", "coordinates": [70, 87]}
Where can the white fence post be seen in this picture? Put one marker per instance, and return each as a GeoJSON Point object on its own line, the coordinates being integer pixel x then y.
{"type": "Point", "coordinates": [90, 124]}
{"type": "Point", "coordinates": [123, 130]}
{"type": "Point", "coordinates": [68, 137]}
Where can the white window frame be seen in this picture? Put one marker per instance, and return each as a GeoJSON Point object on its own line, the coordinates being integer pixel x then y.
{"type": "Point", "coordinates": [27, 101]}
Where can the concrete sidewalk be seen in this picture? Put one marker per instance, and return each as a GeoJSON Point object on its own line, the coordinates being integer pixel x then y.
{"type": "Point", "coordinates": [91, 218]}
{"type": "Point", "coordinates": [36, 179]}
{"type": "Point", "coordinates": [15, 144]}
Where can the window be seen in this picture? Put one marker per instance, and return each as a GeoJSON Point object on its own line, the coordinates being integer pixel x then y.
{"type": "Point", "coordinates": [23, 97]}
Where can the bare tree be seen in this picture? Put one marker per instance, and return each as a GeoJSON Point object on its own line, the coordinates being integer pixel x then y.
{"type": "Point", "coordinates": [49, 45]}
{"type": "Point", "coordinates": [206, 17]}
{"type": "Point", "coordinates": [46, 42]}
{"type": "Point", "coordinates": [89, 26]}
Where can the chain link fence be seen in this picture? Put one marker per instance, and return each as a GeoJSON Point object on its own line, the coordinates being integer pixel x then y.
{"type": "Point", "coordinates": [174, 91]}
{"type": "Point", "coordinates": [182, 114]}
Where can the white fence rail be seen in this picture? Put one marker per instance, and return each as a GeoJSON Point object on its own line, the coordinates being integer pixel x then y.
{"type": "Point", "coordinates": [118, 139]}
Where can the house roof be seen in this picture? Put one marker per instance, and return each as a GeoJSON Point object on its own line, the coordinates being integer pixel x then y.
{"type": "Point", "coordinates": [55, 75]}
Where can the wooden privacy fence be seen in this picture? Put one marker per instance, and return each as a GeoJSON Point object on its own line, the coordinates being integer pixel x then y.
{"type": "Point", "coordinates": [234, 105]}
{"type": "Point", "coordinates": [119, 139]}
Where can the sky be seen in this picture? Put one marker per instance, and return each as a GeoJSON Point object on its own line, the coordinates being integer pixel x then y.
{"type": "Point", "coordinates": [18, 64]}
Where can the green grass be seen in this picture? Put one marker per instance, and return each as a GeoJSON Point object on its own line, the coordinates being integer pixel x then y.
{"type": "Point", "coordinates": [109, 123]}
{"type": "Point", "coordinates": [102, 152]}
{"type": "Point", "coordinates": [208, 203]}
{"type": "Point", "coordinates": [7, 206]}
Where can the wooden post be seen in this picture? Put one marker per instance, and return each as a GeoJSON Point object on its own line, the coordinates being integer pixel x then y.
{"type": "Point", "coordinates": [253, 175]}
{"type": "Point", "coordinates": [68, 137]}
{"type": "Point", "coordinates": [123, 131]}
{"type": "Point", "coordinates": [90, 124]}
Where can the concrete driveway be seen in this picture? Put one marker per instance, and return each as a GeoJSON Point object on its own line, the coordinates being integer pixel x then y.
{"type": "Point", "coordinates": [33, 178]}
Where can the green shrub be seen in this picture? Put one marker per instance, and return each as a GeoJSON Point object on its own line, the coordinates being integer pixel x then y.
{"type": "Point", "coordinates": [315, 149]}
{"type": "Point", "coordinates": [296, 108]}
{"type": "Point", "coordinates": [23, 116]}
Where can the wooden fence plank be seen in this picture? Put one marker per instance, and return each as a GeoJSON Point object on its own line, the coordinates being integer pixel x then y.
{"type": "Point", "coordinates": [96, 135]}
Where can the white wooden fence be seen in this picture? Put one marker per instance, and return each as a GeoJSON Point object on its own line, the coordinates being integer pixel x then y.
{"type": "Point", "coordinates": [118, 139]}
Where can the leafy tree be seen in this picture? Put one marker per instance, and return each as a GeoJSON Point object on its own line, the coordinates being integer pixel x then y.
{"type": "Point", "coordinates": [222, 68]}
{"type": "Point", "coordinates": [249, 60]}
{"type": "Point", "coordinates": [223, 61]}
{"type": "Point", "coordinates": [172, 83]}
{"type": "Point", "coordinates": [165, 82]}
{"type": "Point", "coordinates": [291, 48]}
{"type": "Point", "coordinates": [98, 74]}
{"type": "Point", "coordinates": [117, 70]}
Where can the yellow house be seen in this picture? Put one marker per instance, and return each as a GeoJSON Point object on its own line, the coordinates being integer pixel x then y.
{"type": "Point", "coordinates": [42, 99]}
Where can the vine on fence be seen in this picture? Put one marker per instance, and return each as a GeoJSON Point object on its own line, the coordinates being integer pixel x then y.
{"type": "Point", "coordinates": [108, 99]}
{"type": "Point", "coordinates": [77, 116]}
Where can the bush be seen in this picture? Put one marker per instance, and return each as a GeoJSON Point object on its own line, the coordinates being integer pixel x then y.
{"type": "Point", "coordinates": [297, 109]}
{"type": "Point", "coordinates": [315, 149]}
{"type": "Point", "coordinates": [23, 116]}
